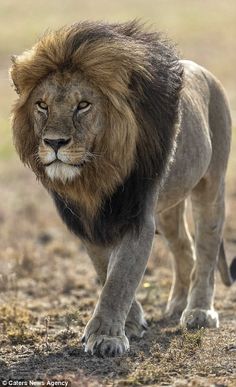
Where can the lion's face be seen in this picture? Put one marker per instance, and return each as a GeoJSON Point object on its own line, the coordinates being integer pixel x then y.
{"type": "Point", "coordinates": [68, 116]}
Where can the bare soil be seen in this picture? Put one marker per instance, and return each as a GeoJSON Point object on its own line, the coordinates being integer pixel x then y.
{"type": "Point", "coordinates": [48, 289]}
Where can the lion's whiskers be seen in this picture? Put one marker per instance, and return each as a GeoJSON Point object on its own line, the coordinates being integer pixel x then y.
{"type": "Point", "coordinates": [37, 158]}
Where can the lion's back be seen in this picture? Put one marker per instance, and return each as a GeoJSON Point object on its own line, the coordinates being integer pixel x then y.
{"type": "Point", "coordinates": [204, 139]}
{"type": "Point", "coordinates": [217, 113]}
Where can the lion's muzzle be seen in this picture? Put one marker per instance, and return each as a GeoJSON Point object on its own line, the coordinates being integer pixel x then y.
{"type": "Point", "coordinates": [57, 143]}
{"type": "Point", "coordinates": [60, 159]}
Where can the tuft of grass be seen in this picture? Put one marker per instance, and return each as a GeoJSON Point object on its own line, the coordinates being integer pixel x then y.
{"type": "Point", "coordinates": [191, 340]}
{"type": "Point", "coordinates": [20, 333]}
{"type": "Point", "coordinates": [11, 314]}
{"type": "Point", "coordinates": [15, 323]}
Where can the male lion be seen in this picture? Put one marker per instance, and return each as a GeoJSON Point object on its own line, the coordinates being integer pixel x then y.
{"type": "Point", "coordinates": [121, 132]}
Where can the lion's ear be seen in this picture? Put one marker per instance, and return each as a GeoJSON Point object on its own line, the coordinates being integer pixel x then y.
{"type": "Point", "coordinates": [13, 58]}
{"type": "Point", "coordinates": [13, 74]}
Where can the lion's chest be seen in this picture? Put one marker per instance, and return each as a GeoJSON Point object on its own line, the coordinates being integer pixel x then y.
{"type": "Point", "coordinates": [121, 213]}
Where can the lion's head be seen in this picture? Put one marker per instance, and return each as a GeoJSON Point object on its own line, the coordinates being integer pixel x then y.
{"type": "Point", "coordinates": [68, 118]}
{"type": "Point", "coordinates": [96, 103]}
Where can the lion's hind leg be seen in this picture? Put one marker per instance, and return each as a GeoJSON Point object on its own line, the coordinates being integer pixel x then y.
{"type": "Point", "coordinates": [208, 213]}
{"type": "Point", "coordinates": [174, 226]}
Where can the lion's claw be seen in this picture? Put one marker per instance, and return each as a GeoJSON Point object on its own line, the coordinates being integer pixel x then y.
{"type": "Point", "coordinates": [105, 345]}
{"type": "Point", "coordinates": [105, 337]}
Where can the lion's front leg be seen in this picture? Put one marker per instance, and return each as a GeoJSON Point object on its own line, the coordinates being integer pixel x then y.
{"type": "Point", "coordinates": [135, 325]}
{"type": "Point", "coordinates": [105, 332]}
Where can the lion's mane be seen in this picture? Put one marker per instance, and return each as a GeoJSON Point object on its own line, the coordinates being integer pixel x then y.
{"type": "Point", "coordinates": [141, 77]}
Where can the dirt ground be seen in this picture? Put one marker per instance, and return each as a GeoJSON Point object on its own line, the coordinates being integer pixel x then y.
{"type": "Point", "coordinates": [49, 289]}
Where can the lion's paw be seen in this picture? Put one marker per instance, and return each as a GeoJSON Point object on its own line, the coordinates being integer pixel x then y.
{"type": "Point", "coordinates": [105, 337]}
{"type": "Point", "coordinates": [136, 324]}
{"type": "Point", "coordinates": [135, 328]}
{"type": "Point", "coordinates": [199, 318]}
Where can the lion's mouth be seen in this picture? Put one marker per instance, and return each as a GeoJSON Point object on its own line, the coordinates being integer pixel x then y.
{"type": "Point", "coordinates": [57, 161]}
{"type": "Point", "coordinates": [62, 168]}
{"type": "Point", "coordinates": [58, 170]}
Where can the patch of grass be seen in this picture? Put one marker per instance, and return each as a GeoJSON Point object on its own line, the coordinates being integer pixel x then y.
{"type": "Point", "coordinates": [16, 323]}
{"type": "Point", "coordinates": [156, 367]}
{"type": "Point", "coordinates": [66, 335]}
{"type": "Point", "coordinates": [20, 333]}
{"type": "Point", "coordinates": [191, 340]}
{"type": "Point", "coordinates": [18, 326]}
{"type": "Point", "coordinates": [15, 315]}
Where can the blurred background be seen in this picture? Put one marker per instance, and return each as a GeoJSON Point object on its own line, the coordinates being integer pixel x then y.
{"type": "Point", "coordinates": [44, 270]}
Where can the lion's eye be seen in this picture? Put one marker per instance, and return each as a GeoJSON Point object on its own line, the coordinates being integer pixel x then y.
{"type": "Point", "coordinates": [83, 107]}
{"type": "Point", "coordinates": [42, 106]}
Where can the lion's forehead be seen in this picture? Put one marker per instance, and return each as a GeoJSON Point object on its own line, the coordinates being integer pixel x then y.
{"type": "Point", "coordinates": [60, 89]}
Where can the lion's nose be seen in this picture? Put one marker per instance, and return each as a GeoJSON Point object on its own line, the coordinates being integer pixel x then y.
{"type": "Point", "coordinates": [57, 143]}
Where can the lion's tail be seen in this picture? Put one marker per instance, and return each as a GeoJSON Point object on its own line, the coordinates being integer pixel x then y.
{"type": "Point", "coordinates": [228, 274]}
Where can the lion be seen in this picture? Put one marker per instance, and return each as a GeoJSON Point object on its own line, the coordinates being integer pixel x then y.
{"type": "Point", "coordinates": [121, 132]}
